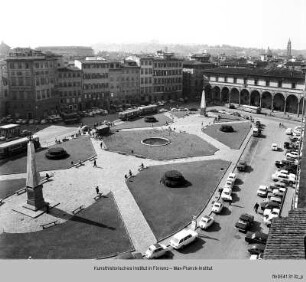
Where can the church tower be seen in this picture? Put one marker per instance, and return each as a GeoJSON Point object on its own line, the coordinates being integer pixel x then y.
{"type": "Point", "coordinates": [289, 50]}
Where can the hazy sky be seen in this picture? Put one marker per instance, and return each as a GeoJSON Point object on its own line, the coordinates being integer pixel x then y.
{"type": "Point", "coordinates": [247, 23]}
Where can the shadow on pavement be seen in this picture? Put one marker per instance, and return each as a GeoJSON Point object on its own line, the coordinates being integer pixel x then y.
{"type": "Point", "coordinates": [193, 247]}
{"type": "Point", "coordinates": [236, 188]}
{"type": "Point", "coordinates": [225, 211]}
{"type": "Point", "coordinates": [235, 198]}
{"type": "Point", "coordinates": [256, 227]}
{"type": "Point", "coordinates": [214, 228]}
{"type": "Point", "coordinates": [238, 181]}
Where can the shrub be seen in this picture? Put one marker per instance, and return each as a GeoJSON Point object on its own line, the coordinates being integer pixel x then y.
{"type": "Point", "coordinates": [226, 128]}
{"type": "Point", "coordinates": [173, 178]}
{"type": "Point", "coordinates": [150, 119]}
{"type": "Point", "coordinates": [231, 106]}
{"type": "Point", "coordinates": [56, 153]}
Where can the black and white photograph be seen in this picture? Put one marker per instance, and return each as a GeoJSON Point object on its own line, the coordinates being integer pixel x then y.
{"type": "Point", "coordinates": [152, 139]}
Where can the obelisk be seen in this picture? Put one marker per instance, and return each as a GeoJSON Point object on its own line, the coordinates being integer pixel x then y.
{"type": "Point", "coordinates": [203, 104]}
{"type": "Point", "coordinates": [35, 199]}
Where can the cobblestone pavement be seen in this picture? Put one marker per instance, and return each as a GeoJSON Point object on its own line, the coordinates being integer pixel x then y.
{"type": "Point", "coordinates": [76, 186]}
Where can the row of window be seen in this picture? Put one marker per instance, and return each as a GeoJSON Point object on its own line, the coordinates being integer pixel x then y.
{"type": "Point", "coordinates": [267, 82]}
{"type": "Point", "coordinates": [146, 71]}
{"type": "Point", "coordinates": [95, 86]}
{"type": "Point", "coordinates": [167, 80]}
{"type": "Point", "coordinates": [146, 80]}
{"type": "Point", "coordinates": [95, 75]}
{"type": "Point", "coordinates": [20, 95]}
{"type": "Point", "coordinates": [70, 84]}
{"type": "Point", "coordinates": [70, 93]}
{"type": "Point", "coordinates": [127, 78]}
{"type": "Point", "coordinates": [94, 95]}
{"type": "Point", "coordinates": [168, 65]}
{"type": "Point", "coordinates": [146, 62]}
{"type": "Point", "coordinates": [167, 72]}
{"type": "Point", "coordinates": [101, 65]}
{"type": "Point", "coordinates": [43, 80]}
{"type": "Point", "coordinates": [146, 90]}
{"type": "Point", "coordinates": [43, 94]}
{"type": "Point", "coordinates": [69, 74]}
{"type": "Point", "coordinates": [20, 81]}
{"type": "Point", "coordinates": [71, 100]}
{"type": "Point", "coordinates": [26, 65]}
{"type": "Point", "coordinates": [167, 88]}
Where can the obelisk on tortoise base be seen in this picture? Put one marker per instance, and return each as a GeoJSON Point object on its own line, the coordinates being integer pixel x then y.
{"type": "Point", "coordinates": [35, 198]}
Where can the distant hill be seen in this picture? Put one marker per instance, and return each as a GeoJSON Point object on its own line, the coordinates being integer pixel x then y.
{"type": "Point", "coordinates": [185, 49]}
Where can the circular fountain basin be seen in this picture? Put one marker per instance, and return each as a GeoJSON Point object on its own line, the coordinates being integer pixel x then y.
{"type": "Point", "coordinates": [155, 141]}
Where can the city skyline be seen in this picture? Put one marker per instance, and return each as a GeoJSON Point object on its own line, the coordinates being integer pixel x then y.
{"type": "Point", "coordinates": [257, 24]}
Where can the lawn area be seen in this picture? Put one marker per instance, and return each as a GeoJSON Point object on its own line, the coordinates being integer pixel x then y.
{"type": "Point", "coordinates": [95, 232]}
{"type": "Point", "coordinates": [138, 123]}
{"type": "Point", "coordinates": [9, 187]}
{"type": "Point", "coordinates": [79, 149]}
{"type": "Point", "coordinates": [182, 145]}
{"type": "Point", "coordinates": [167, 210]}
{"type": "Point", "coordinates": [233, 139]}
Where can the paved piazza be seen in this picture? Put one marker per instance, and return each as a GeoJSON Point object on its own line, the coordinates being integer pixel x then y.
{"type": "Point", "coordinates": [76, 186]}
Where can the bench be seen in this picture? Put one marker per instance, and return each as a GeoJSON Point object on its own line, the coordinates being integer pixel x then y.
{"type": "Point", "coordinates": [21, 191]}
{"type": "Point", "coordinates": [47, 225]}
{"type": "Point", "coordinates": [77, 210]}
{"type": "Point", "coordinates": [78, 164]}
{"type": "Point", "coordinates": [92, 158]}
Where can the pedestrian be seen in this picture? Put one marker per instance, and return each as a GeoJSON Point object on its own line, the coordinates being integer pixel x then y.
{"type": "Point", "coordinates": [126, 177]}
{"type": "Point", "coordinates": [256, 206]}
{"type": "Point", "coordinates": [97, 190]}
{"type": "Point", "coordinates": [71, 162]}
{"type": "Point", "coordinates": [130, 173]}
{"type": "Point", "coordinates": [95, 163]}
{"type": "Point", "coordinates": [101, 145]}
{"type": "Point", "coordinates": [161, 181]}
{"type": "Point", "coordinates": [132, 152]}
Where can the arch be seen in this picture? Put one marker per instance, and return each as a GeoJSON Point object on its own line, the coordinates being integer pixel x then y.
{"type": "Point", "coordinates": [216, 94]}
{"type": "Point", "coordinates": [208, 93]}
{"type": "Point", "coordinates": [266, 100]}
{"type": "Point", "coordinates": [244, 97]}
{"type": "Point", "coordinates": [279, 102]}
{"type": "Point", "coordinates": [234, 96]}
{"type": "Point", "coordinates": [225, 94]}
{"type": "Point", "coordinates": [292, 104]}
{"type": "Point", "coordinates": [255, 98]}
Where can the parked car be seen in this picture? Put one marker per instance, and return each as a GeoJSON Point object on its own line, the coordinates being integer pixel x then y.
{"type": "Point", "coordinates": [226, 194]}
{"type": "Point", "coordinates": [289, 131]}
{"type": "Point", "coordinates": [262, 191]}
{"type": "Point", "coordinates": [288, 179]}
{"type": "Point", "coordinates": [256, 237]}
{"type": "Point", "coordinates": [43, 121]}
{"type": "Point", "coordinates": [292, 155]}
{"type": "Point", "coordinates": [232, 177]}
{"type": "Point", "coordinates": [155, 251]}
{"type": "Point", "coordinates": [256, 249]}
{"type": "Point", "coordinates": [280, 164]}
{"type": "Point", "coordinates": [274, 211]}
{"type": "Point", "coordinates": [183, 238]}
{"type": "Point", "coordinates": [274, 147]}
{"type": "Point", "coordinates": [217, 207]}
{"type": "Point", "coordinates": [242, 165]}
{"type": "Point", "coordinates": [256, 257]}
{"type": "Point", "coordinates": [206, 221]}
{"type": "Point", "coordinates": [31, 121]}
{"type": "Point", "coordinates": [245, 222]}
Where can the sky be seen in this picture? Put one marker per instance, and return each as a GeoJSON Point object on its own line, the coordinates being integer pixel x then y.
{"type": "Point", "coordinates": [245, 23]}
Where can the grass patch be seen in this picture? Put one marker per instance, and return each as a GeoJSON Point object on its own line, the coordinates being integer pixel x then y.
{"type": "Point", "coordinates": [167, 210]}
{"type": "Point", "coordinates": [139, 123]}
{"type": "Point", "coordinates": [9, 187]}
{"type": "Point", "coordinates": [95, 232]}
{"type": "Point", "coordinates": [234, 139]}
{"type": "Point", "coordinates": [78, 149]}
{"type": "Point", "coordinates": [182, 145]}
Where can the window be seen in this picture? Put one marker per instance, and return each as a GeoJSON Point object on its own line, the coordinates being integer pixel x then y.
{"type": "Point", "coordinates": [293, 86]}
{"type": "Point", "coordinates": [256, 82]}
{"type": "Point", "coordinates": [267, 83]}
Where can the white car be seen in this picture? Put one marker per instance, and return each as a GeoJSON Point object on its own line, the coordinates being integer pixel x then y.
{"type": "Point", "coordinates": [226, 194]}
{"type": "Point", "coordinates": [206, 221]}
{"type": "Point", "coordinates": [183, 238]}
{"type": "Point", "coordinates": [229, 184]}
{"type": "Point", "coordinates": [155, 251]}
{"type": "Point", "coordinates": [274, 147]}
{"type": "Point", "coordinates": [232, 177]}
{"type": "Point", "coordinates": [217, 207]}
{"type": "Point", "coordinates": [290, 179]}
{"type": "Point", "coordinates": [289, 131]}
{"type": "Point", "coordinates": [273, 214]}
{"type": "Point", "coordinates": [43, 121]}
{"type": "Point", "coordinates": [262, 191]}
{"type": "Point", "coordinates": [293, 155]}
{"type": "Point", "coordinates": [174, 110]}
{"type": "Point", "coordinates": [278, 192]}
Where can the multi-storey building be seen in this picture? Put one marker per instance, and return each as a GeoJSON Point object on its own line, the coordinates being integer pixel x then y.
{"type": "Point", "coordinates": [193, 79]}
{"type": "Point", "coordinates": [32, 83]}
{"type": "Point", "coordinates": [168, 76]}
{"type": "Point", "coordinates": [3, 88]}
{"type": "Point", "coordinates": [280, 90]}
{"type": "Point", "coordinates": [70, 89]}
{"type": "Point", "coordinates": [96, 81]}
{"type": "Point", "coordinates": [146, 64]}
{"type": "Point", "coordinates": [130, 82]}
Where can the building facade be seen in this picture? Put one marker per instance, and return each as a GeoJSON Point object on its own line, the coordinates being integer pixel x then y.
{"type": "Point", "coordinates": [280, 90]}
{"type": "Point", "coordinates": [3, 88]}
{"type": "Point", "coordinates": [96, 81]}
{"type": "Point", "coordinates": [70, 89]}
{"type": "Point", "coordinates": [32, 77]}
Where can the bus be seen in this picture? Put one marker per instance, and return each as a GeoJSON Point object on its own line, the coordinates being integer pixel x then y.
{"type": "Point", "coordinates": [150, 109]}
{"type": "Point", "coordinates": [9, 131]}
{"type": "Point", "coordinates": [129, 114]}
{"type": "Point", "coordinates": [70, 118]}
{"type": "Point", "coordinates": [251, 109]}
{"type": "Point", "coordinates": [14, 147]}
